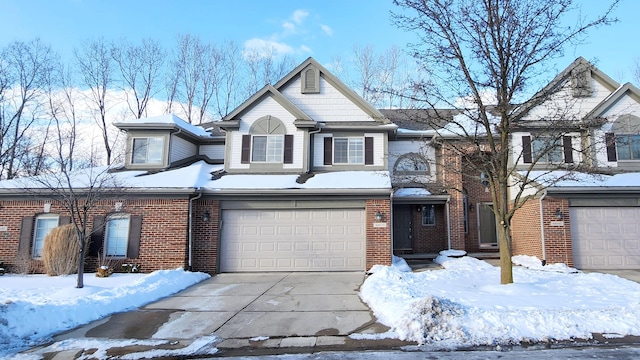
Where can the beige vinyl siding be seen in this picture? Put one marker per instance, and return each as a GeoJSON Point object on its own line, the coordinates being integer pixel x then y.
{"type": "Point", "coordinates": [327, 105]}
{"type": "Point", "coordinates": [215, 152]}
{"type": "Point", "coordinates": [181, 149]}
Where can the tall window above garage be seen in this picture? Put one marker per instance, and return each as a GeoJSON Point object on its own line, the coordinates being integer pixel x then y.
{"type": "Point", "coordinates": [547, 149]}
{"type": "Point", "coordinates": [148, 150]}
{"type": "Point", "coordinates": [624, 142]}
{"type": "Point", "coordinates": [267, 142]}
{"type": "Point", "coordinates": [117, 235]}
{"type": "Point", "coordinates": [42, 227]}
{"type": "Point", "coordinates": [628, 147]}
{"type": "Point", "coordinates": [267, 148]}
{"type": "Point", "coordinates": [348, 150]}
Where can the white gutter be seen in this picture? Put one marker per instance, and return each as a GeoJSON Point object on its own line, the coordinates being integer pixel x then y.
{"type": "Point", "coordinates": [544, 250]}
{"type": "Point", "coordinates": [191, 226]}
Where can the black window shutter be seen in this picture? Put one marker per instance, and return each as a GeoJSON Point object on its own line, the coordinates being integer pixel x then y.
{"type": "Point", "coordinates": [288, 149]}
{"type": "Point", "coordinates": [526, 149]}
{"type": "Point", "coordinates": [368, 151]}
{"type": "Point", "coordinates": [568, 149]}
{"type": "Point", "coordinates": [135, 229]}
{"type": "Point", "coordinates": [610, 141]}
{"type": "Point", "coordinates": [97, 236]}
{"type": "Point", "coordinates": [328, 150]}
{"type": "Point", "coordinates": [26, 232]}
{"type": "Point", "coordinates": [246, 149]}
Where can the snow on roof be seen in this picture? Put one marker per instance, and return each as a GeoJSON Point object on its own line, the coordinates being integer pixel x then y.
{"type": "Point", "coordinates": [411, 192]}
{"type": "Point", "coordinates": [560, 179]}
{"type": "Point", "coordinates": [170, 119]}
{"type": "Point", "coordinates": [334, 180]}
{"type": "Point", "coordinates": [199, 175]}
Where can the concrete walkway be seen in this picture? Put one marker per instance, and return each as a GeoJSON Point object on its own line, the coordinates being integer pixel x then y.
{"type": "Point", "coordinates": [254, 312]}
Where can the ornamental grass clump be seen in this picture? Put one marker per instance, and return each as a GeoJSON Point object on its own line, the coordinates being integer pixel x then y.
{"type": "Point", "coordinates": [61, 251]}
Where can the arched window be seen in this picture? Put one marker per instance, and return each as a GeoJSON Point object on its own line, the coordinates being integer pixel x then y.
{"type": "Point", "coordinates": [412, 164]}
{"type": "Point", "coordinates": [267, 140]}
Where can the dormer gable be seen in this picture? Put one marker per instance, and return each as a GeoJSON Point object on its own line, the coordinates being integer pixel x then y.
{"type": "Point", "coordinates": [156, 142]}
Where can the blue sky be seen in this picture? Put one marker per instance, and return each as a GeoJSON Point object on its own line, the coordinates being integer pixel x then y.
{"type": "Point", "coordinates": [322, 29]}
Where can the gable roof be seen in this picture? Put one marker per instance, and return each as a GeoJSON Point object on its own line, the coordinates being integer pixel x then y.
{"type": "Point", "coordinates": [609, 101]}
{"type": "Point", "coordinates": [267, 90]}
{"type": "Point", "coordinates": [337, 84]}
{"type": "Point", "coordinates": [558, 81]}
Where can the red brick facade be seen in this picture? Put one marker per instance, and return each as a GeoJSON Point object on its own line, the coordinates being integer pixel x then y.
{"type": "Point", "coordinates": [378, 233]}
{"type": "Point", "coordinates": [527, 236]}
{"type": "Point", "coordinates": [162, 237]}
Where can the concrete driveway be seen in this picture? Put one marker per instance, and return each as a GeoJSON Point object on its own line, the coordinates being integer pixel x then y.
{"type": "Point", "coordinates": [273, 309]}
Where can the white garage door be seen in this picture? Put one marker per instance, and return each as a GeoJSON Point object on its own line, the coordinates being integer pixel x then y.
{"type": "Point", "coordinates": [293, 240]}
{"type": "Point", "coordinates": [606, 237]}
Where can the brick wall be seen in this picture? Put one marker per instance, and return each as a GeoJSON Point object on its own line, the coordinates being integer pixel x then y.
{"type": "Point", "coordinates": [527, 236]}
{"type": "Point", "coordinates": [205, 236]}
{"type": "Point", "coordinates": [525, 230]}
{"type": "Point", "coordinates": [378, 238]}
{"type": "Point", "coordinates": [476, 193]}
{"type": "Point", "coordinates": [163, 238]}
{"type": "Point", "coordinates": [430, 239]}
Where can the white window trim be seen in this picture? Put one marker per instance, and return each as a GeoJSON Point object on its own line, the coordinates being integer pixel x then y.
{"type": "Point", "coordinates": [147, 162]}
{"type": "Point", "coordinates": [349, 159]}
{"type": "Point", "coordinates": [268, 148]}
{"type": "Point", "coordinates": [34, 241]}
{"type": "Point", "coordinates": [106, 235]}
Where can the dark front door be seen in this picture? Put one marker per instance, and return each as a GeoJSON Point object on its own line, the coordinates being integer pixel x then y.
{"type": "Point", "coordinates": [402, 228]}
{"type": "Point", "coordinates": [487, 221]}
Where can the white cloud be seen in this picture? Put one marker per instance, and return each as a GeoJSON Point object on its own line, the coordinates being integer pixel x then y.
{"type": "Point", "coordinates": [298, 16]}
{"type": "Point", "coordinates": [327, 30]}
{"type": "Point", "coordinates": [263, 48]}
{"type": "Point", "coordinates": [289, 26]}
{"type": "Point", "coordinates": [306, 49]}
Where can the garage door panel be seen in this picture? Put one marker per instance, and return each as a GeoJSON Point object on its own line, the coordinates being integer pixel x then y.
{"type": "Point", "coordinates": [605, 238]}
{"type": "Point", "coordinates": [293, 240]}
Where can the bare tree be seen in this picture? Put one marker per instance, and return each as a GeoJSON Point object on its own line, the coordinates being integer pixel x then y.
{"type": "Point", "coordinates": [23, 70]}
{"type": "Point", "coordinates": [368, 67]}
{"type": "Point", "coordinates": [95, 64]}
{"type": "Point", "coordinates": [264, 67]}
{"type": "Point", "coordinates": [140, 70]}
{"type": "Point", "coordinates": [473, 48]}
{"type": "Point", "coordinates": [226, 94]}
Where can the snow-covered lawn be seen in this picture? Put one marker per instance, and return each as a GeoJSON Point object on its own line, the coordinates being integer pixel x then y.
{"type": "Point", "coordinates": [464, 304]}
{"type": "Point", "coordinates": [34, 307]}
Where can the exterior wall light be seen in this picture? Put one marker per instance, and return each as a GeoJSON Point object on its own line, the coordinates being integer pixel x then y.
{"type": "Point", "coordinates": [559, 214]}
{"type": "Point", "coordinates": [206, 216]}
{"type": "Point", "coordinates": [378, 216]}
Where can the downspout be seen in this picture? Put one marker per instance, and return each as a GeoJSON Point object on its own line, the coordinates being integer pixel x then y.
{"type": "Point", "coordinates": [311, 145]}
{"type": "Point", "coordinates": [544, 250]}
{"type": "Point", "coordinates": [391, 221]}
{"type": "Point", "coordinates": [446, 207]}
{"type": "Point", "coordinates": [170, 147]}
{"type": "Point", "coordinates": [189, 267]}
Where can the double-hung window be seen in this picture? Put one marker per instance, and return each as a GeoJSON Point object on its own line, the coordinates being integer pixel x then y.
{"type": "Point", "coordinates": [43, 226]}
{"type": "Point", "coordinates": [348, 150]}
{"type": "Point", "coordinates": [267, 148]}
{"type": "Point", "coordinates": [117, 235]}
{"type": "Point", "coordinates": [148, 150]}
{"type": "Point", "coordinates": [547, 150]}
{"type": "Point", "coordinates": [628, 147]}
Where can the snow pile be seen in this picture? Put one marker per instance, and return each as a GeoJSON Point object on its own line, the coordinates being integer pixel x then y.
{"type": "Point", "coordinates": [532, 262]}
{"type": "Point", "coordinates": [34, 307]}
{"type": "Point", "coordinates": [464, 304]}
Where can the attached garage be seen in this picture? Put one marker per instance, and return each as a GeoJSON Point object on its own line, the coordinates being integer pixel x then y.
{"type": "Point", "coordinates": [299, 239]}
{"type": "Point", "coordinates": [605, 237]}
